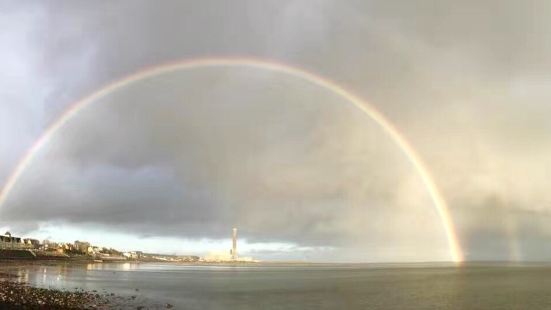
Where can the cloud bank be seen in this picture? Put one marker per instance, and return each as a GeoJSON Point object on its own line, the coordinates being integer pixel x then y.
{"type": "Point", "coordinates": [189, 155]}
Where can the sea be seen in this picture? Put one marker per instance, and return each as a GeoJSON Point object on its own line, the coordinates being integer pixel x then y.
{"type": "Point", "coordinates": [302, 286]}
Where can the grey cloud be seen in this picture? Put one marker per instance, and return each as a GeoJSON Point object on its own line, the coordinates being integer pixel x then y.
{"type": "Point", "coordinates": [190, 154]}
{"type": "Point", "coordinates": [467, 83]}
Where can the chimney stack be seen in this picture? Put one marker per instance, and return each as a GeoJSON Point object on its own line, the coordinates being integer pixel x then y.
{"type": "Point", "coordinates": [234, 244]}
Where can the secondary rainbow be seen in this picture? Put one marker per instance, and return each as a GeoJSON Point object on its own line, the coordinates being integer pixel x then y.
{"type": "Point", "coordinates": [439, 203]}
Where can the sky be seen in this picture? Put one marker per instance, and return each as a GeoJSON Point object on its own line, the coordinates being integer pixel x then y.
{"type": "Point", "coordinates": [172, 163]}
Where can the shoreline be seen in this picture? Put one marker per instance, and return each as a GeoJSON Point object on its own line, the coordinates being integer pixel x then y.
{"type": "Point", "coordinates": [22, 295]}
{"type": "Point", "coordinates": [371, 265]}
{"type": "Point", "coordinates": [18, 293]}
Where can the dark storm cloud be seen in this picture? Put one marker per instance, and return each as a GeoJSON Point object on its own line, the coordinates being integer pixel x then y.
{"type": "Point", "coordinates": [467, 82]}
{"type": "Point", "coordinates": [191, 154]}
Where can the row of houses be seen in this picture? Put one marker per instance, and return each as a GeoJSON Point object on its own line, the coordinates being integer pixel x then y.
{"type": "Point", "coordinates": [83, 248]}
{"type": "Point", "coordinates": [9, 242]}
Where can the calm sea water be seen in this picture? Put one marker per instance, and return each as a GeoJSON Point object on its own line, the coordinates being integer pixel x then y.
{"type": "Point", "coordinates": [482, 286]}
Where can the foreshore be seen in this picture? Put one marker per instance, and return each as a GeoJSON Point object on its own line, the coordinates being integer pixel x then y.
{"type": "Point", "coordinates": [16, 293]}
{"type": "Point", "coordinates": [23, 296]}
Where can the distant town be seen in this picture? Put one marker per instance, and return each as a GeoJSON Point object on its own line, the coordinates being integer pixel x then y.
{"type": "Point", "coordinates": [13, 247]}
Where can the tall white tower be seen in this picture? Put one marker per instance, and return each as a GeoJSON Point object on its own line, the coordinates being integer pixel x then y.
{"type": "Point", "coordinates": [234, 244]}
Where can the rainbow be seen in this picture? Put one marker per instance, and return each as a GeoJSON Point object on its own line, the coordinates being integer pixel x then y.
{"type": "Point", "coordinates": [455, 252]}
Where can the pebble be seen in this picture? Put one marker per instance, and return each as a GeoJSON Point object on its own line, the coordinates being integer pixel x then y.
{"type": "Point", "coordinates": [19, 295]}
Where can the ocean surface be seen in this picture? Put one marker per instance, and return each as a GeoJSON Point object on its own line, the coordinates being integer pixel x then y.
{"type": "Point", "coordinates": [293, 286]}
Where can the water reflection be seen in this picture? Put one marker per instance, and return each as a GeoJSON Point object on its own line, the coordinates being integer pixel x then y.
{"type": "Point", "coordinates": [299, 286]}
{"type": "Point", "coordinates": [113, 266]}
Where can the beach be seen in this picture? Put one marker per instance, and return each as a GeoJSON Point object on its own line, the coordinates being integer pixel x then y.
{"type": "Point", "coordinates": [18, 290]}
{"type": "Point", "coordinates": [17, 295]}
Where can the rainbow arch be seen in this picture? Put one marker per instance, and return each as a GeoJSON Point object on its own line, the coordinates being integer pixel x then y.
{"type": "Point", "coordinates": [442, 209]}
